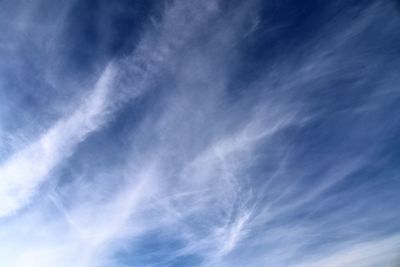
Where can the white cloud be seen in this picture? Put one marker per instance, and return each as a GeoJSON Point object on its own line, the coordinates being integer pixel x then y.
{"type": "Point", "coordinates": [213, 174]}
{"type": "Point", "coordinates": [370, 253]}
{"type": "Point", "coordinates": [26, 169]}
{"type": "Point", "coordinates": [121, 81]}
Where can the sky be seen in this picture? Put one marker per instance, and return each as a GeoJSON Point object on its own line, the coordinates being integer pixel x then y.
{"type": "Point", "coordinates": [209, 133]}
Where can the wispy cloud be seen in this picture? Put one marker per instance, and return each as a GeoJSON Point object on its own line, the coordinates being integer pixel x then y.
{"type": "Point", "coordinates": [188, 150]}
{"type": "Point", "coordinates": [27, 168]}
{"type": "Point", "coordinates": [30, 166]}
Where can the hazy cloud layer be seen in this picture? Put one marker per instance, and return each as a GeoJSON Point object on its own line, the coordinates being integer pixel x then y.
{"type": "Point", "coordinates": [199, 133]}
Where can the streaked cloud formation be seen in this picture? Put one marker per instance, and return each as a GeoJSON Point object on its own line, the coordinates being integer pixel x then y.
{"type": "Point", "coordinates": [199, 133]}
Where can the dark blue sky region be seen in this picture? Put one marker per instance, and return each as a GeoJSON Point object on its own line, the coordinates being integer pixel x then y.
{"type": "Point", "coordinates": [204, 133]}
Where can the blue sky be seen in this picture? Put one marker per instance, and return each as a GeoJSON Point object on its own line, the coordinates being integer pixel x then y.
{"type": "Point", "coordinates": [204, 133]}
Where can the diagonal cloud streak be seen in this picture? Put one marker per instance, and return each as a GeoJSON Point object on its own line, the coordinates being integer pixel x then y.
{"type": "Point", "coordinates": [24, 171]}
